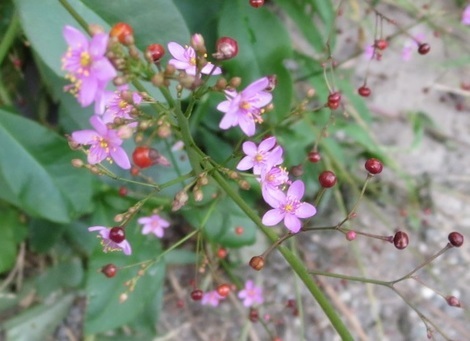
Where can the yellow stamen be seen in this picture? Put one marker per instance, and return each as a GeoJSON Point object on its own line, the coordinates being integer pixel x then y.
{"type": "Point", "coordinates": [245, 105]}
{"type": "Point", "coordinates": [85, 59]}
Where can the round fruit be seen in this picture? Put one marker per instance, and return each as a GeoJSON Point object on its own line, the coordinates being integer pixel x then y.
{"type": "Point", "coordinates": [144, 156]}
{"type": "Point", "coordinates": [123, 32]}
{"type": "Point", "coordinates": [223, 290]}
{"type": "Point", "coordinates": [196, 294]}
{"type": "Point", "coordinates": [373, 166]}
{"type": "Point", "coordinates": [424, 48]}
{"type": "Point", "coordinates": [455, 239]}
{"type": "Point", "coordinates": [257, 262]}
{"type": "Point", "coordinates": [109, 270]}
{"type": "Point", "coordinates": [401, 240]}
{"type": "Point", "coordinates": [256, 3]}
{"type": "Point", "coordinates": [364, 91]}
{"type": "Point", "coordinates": [327, 179]}
{"type": "Point", "coordinates": [117, 234]}
{"type": "Point", "coordinates": [381, 44]}
{"type": "Point", "coordinates": [227, 48]}
{"type": "Point", "coordinates": [155, 52]}
{"type": "Point", "coordinates": [314, 157]}
{"type": "Point", "coordinates": [334, 97]}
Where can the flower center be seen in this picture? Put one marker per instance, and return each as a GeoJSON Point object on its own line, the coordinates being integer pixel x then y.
{"type": "Point", "coordinates": [192, 61]}
{"type": "Point", "coordinates": [291, 205]}
{"type": "Point", "coordinates": [259, 157]}
{"type": "Point", "coordinates": [122, 104]}
{"type": "Point", "coordinates": [245, 105]}
{"type": "Point", "coordinates": [85, 59]}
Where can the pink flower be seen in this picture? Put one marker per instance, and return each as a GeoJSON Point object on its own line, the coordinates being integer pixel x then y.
{"type": "Point", "coordinates": [118, 106]}
{"type": "Point", "coordinates": [88, 68]}
{"type": "Point", "coordinates": [108, 244]}
{"type": "Point", "coordinates": [265, 156]}
{"type": "Point", "coordinates": [245, 108]}
{"type": "Point", "coordinates": [410, 46]}
{"type": "Point", "coordinates": [105, 144]}
{"type": "Point", "coordinates": [289, 208]}
{"type": "Point", "coordinates": [466, 15]}
{"type": "Point", "coordinates": [211, 298]}
{"type": "Point", "coordinates": [369, 52]}
{"type": "Point", "coordinates": [184, 58]}
{"type": "Point", "coordinates": [271, 181]}
{"type": "Point", "coordinates": [251, 294]}
{"type": "Point", "coordinates": [153, 224]}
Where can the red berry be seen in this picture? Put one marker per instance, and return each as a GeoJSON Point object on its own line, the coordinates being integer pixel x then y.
{"type": "Point", "coordinates": [155, 52]}
{"type": "Point", "coordinates": [334, 97]}
{"type": "Point", "coordinates": [424, 48]}
{"type": "Point", "coordinates": [222, 253]}
{"type": "Point", "coordinates": [223, 290]}
{"type": "Point", "coordinates": [333, 105]}
{"type": "Point", "coordinates": [373, 166]}
{"type": "Point", "coordinates": [381, 44]}
{"type": "Point", "coordinates": [401, 240]}
{"type": "Point", "coordinates": [239, 230]}
{"type": "Point", "coordinates": [196, 295]}
{"type": "Point", "coordinates": [351, 235]}
{"type": "Point", "coordinates": [122, 191]}
{"type": "Point", "coordinates": [256, 3]}
{"type": "Point", "coordinates": [314, 157]}
{"type": "Point", "coordinates": [227, 48]}
{"type": "Point", "coordinates": [453, 301]}
{"type": "Point", "coordinates": [135, 171]}
{"type": "Point", "coordinates": [327, 179]}
{"type": "Point", "coordinates": [364, 91]}
{"type": "Point", "coordinates": [123, 32]}
{"type": "Point", "coordinates": [109, 270]}
{"type": "Point", "coordinates": [117, 234]}
{"type": "Point", "coordinates": [144, 156]}
{"type": "Point", "coordinates": [455, 239]}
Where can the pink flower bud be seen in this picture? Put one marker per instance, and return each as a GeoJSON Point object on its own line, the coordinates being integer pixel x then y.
{"type": "Point", "coordinates": [227, 48]}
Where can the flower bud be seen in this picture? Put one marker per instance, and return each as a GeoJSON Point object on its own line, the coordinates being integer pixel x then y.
{"type": "Point", "coordinates": [123, 33]}
{"type": "Point", "coordinates": [154, 53]}
{"type": "Point", "coordinates": [77, 163]}
{"type": "Point", "coordinates": [227, 48]}
{"type": "Point", "coordinates": [257, 263]}
{"type": "Point", "coordinates": [198, 44]}
{"type": "Point", "coordinates": [181, 198]}
{"type": "Point", "coordinates": [351, 235]}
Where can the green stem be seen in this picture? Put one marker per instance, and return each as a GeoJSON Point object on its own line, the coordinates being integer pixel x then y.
{"type": "Point", "coordinates": [9, 37]}
{"type": "Point", "coordinates": [293, 261]}
{"type": "Point", "coordinates": [82, 22]}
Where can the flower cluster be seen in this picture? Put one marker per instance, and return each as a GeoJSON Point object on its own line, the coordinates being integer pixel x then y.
{"type": "Point", "coordinates": [274, 179]}
{"type": "Point", "coordinates": [153, 224]}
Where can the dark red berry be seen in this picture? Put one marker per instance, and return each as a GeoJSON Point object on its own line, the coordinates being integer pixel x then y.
{"type": "Point", "coordinates": [155, 52]}
{"type": "Point", "coordinates": [373, 166]}
{"type": "Point", "coordinates": [455, 239]}
{"type": "Point", "coordinates": [381, 44]}
{"type": "Point", "coordinates": [327, 179]}
{"type": "Point", "coordinates": [196, 294]}
{"type": "Point", "coordinates": [144, 156]}
{"type": "Point", "coordinates": [333, 105]}
{"type": "Point", "coordinates": [314, 157]}
{"type": "Point", "coordinates": [117, 234]}
{"type": "Point", "coordinates": [256, 3]}
{"type": "Point", "coordinates": [123, 191]}
{"type": "Point", "coordinates": [227, 48]}
{"type": "Point", "coordinates": [253, 316]}
{"type": "Point", "coordinates": [334, 97]}
{"type": "Point", "coordinates": [424, 48]}
{"type": "Point", "coordinates": [123, 32]}
{"type": "Point", "coordinates": [109, 270]}
{"type": "Point", "coordinates": [401, 240]}
{"type": "Point", "coordinates": [222, 253]}
{"type": "Point", "coordinates": [364, 91]}
{"type": "Point", "coordinates": [453, 301]}
{"type": "Point", "coordinates": [223, 290]}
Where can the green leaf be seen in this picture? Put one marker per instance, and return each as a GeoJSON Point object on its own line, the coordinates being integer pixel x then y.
{"type": "Point", "coordinates": [39, 322]}
{"type": "Point", "coordinates": [260, 54]}
{"type": "Point", "coordinates": [12, 232]}
{"type": "Point", "coordinates": [36, 174]}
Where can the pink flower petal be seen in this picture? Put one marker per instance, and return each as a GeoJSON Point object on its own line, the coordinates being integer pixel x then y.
{"type": "Point", "coordinates": [296, 190]}
{"type": "Point", "coordinates": [177, 51]}
{"type": "Point", "coordinates": [305, 210]}
{"type": "Point", "coordinates": [98, 45]}
{"type": "Point", "coordinates": [292, 223]}
{"type": "Point", "coordinates": [245, 163]}
{"type": "Point", "coordinates": [249, 148]}
{"type": "Point", "coordinates": [85, 136]}
{"type": "Point", "coordinates": [87, 92]}
{"type": "Point", "coordinates": [257, 86]}
{"type": "Point", "coordinates": [272, 217]}
{"type": "Point", "coordinates": [120, 157]}
{"type": "Point", "coordinates": [207, 69]}
{"type": "Point", "coordinates": [266, 144]}
{"type": "Point", "coordinates": [75, 38]}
